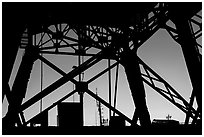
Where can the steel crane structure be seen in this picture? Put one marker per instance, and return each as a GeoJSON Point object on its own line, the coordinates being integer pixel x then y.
{"type": "Point", "coordinates": [117, 31]}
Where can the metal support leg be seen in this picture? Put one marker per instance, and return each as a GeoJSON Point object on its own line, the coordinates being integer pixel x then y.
{"type": "Point", "coordinates": [191, 57]}
{"type": "Point", "coordinates": [20, 86]}
{"type": "Point", "coordinates": [116, 86]}
{"type": "Point", "coordinates": [109, 79]}
{"type": "Point", "coordinates": [81, 95]}
{"type": "Point", "coordinates": [137, 88]}
{"type": "Point", "coordinates": [81, 87]}
{"type": "Point", "coordinates": [191, 104]}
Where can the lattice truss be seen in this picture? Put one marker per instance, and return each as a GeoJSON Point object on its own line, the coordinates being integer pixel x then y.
{"type": "Point", "coordinates": [80, 39]}
{"type": "Point", "coordinates": [195, 24]}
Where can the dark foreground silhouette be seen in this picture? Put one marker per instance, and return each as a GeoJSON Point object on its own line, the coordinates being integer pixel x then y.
{"type": "Point", "coordinates": [93, 130]}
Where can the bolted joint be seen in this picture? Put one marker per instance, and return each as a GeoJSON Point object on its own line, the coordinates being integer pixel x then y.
{"type": "Point", "coordinates": [82, 87]}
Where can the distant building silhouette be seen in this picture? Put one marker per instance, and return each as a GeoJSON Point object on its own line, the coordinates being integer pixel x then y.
{"type": "Point", "coordinates": [165, 122]}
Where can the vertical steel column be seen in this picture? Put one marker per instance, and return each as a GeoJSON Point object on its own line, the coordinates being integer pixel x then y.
{"type": "Point", "coordinates": [132, 69]}
{"type": "Point", "coordinates": [188, 45]}
{"type": "Point", "coordinates": [81, 93]}
{"type": "Point", "coordinates": [109, 79]}
{"type": "Point", "coordinates": [41, 77]}
{"type": "Point", "coordinates": [130, 63]}
{"type": "Point", "coordinates": [81, 87]}
{"type": "Point", "coordinates": [20, 84]}
{"type": "Point", "coordinates": [116, 86]}
{"type": "Point", "coordinates": [192, 60]}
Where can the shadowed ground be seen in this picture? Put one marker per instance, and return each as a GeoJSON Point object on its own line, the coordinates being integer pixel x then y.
{"type": "Point", "coordinates": [154, 130]}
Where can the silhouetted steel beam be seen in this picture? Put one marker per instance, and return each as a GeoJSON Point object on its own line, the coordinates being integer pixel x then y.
{"type": "Point", "coordinates": [90, 62]}
{"type": "Point", "coordinates": [116, 86]}
{"type": "Point", "coordinates": [53, 105]}
{"type": "Point", "coordinates": [188, 45]}
{"type": "Point", "coordinates": [109, 106]}
{"type": "Point", "coordinates": [102, 72]}
{"type": "Point", "coordinates": [192, 98]}
{"type": "Point", "coordinates": [55, 67]}
{"type": "Point", "coordinates": [6, 92]}
{"type": "Point", "coordinates": [187, 9]}
{"type": "Point", "coordinates": [65, 53]}
{"type": "Point", "coordinates": [65, 37]}
{"type": "Point", "coordinates": [109, 80]}
{"type": "Point", "coordinates": [20, 86]}
{"type": "Point", "coordinates": [52, 65]}
{"type": "Point", "coordinates": [130, 63]}
{"type": "Point", "coordinates": [175, 94]}
{"type": "Point", "coordinates": [60, 46]}
{"type": "Point", "coordinates": [144, 36]}
{"type": "Point", "coordinates": [45, 42]}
